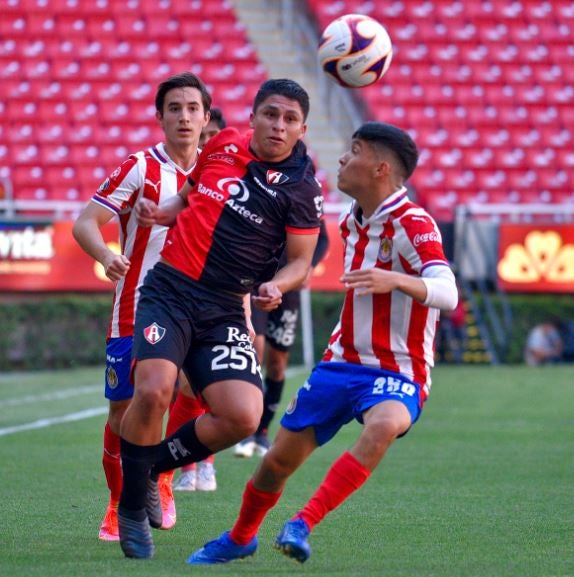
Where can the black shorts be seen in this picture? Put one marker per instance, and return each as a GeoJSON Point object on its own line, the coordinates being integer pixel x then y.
{"type": "Point", "coordinates": [198, 328]}
{"type": "Point", "coordinates": [280, 325]}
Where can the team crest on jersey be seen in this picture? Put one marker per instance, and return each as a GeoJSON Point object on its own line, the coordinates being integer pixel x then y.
{"type": "Point", "coordinates": [386, 249]}
{"type": "Point", "coordinates": [276, 177]}
{"type": "Point", "coordinates": [111, 378]}
{"type": "Point", "coordinates": [154, 333]}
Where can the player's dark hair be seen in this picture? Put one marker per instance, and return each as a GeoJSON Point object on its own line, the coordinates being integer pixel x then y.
{"type": "Point", "coordinates": [283, 87]}
{"type": "Point", "coordinates": [217, 117]}
{"type": "Point", "coordinates": [183, 80]}
{"type": "Point", "coordinates": [391, 138]}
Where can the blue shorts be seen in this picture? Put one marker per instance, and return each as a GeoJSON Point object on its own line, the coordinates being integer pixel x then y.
{"type": "Point", "coordinates": [337, 393]}
{"type": "Point", "coordinates": [118, 364]}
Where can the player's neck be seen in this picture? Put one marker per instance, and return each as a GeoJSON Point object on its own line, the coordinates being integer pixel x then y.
{"type": "Point", "coordinates": [184, 157]}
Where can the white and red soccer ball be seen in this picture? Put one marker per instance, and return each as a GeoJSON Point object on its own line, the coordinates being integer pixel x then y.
{"type": "Point", "coordinates": [355, 50]}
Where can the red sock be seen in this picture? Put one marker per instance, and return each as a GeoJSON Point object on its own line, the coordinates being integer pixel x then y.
{"type": "Point", "coordinates": [254, 507]}
{"type": "Point", "coordinates": [112, 463]}
{"type": "Point", "coordinates": [345, 476]}
{"type": "Point", "coordinates": [183, 410]}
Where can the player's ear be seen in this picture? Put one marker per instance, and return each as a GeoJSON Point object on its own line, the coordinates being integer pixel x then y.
{"type": "Point", "coordinates": [251, 119]}
{"type": "Point", "coordinates": [159, 115]}
{"type": "Point", "coordinates": [383, 168]}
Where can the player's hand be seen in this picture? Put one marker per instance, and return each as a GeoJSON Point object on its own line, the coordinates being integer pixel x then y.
{"type": "Point", "coordinates": [268, 298]}
{"type": "Point", "coordinates": [116, 267]}
{"type": "Point", "coordinates": [369, 281]}
{"type": "Point", "coordinates": [146, 212]}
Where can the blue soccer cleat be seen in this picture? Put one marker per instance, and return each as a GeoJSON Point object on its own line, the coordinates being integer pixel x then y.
{"type": "Point", "coordinates": [222, 550]}
{"type": "Point", "coordinates": [292, 540]}
{"type": "Point", "coordinates": [135, 536]}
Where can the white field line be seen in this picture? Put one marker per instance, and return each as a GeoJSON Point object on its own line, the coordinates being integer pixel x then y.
{"type": "Point", "coordinates": [42, 423]}
{"type": "Point", "coordinates": [56, 396]}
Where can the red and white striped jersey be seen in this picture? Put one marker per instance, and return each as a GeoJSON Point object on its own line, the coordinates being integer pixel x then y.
{"type": "Point", "coordinates": [146, 174]}
{"type": "Point", "coordinates": [390, 331]}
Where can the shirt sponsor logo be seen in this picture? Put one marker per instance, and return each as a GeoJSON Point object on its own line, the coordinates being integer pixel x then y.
{"type": "Point", "coordinates": [270, 191]}
{"type": "Point", "coordinates": [222, 157]}
{"type": "Point", "coordinates": [154, 333]}
{"type": "Point", "coordinates": [421, 238]}
{"type": "Point", "coordinates": [202, 189]}
{"type": "Point", "coordinates": [276, 177]}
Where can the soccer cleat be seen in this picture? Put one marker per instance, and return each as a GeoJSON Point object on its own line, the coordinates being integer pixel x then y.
{"type": "Point", "coordinates": [187, 481]}
{"type": "Point", "coordinates": [222, 550]}
{"type": "Point", "coordinates": [245, 448]}
{"type": "Point", "coordinates": [109, 529]}
{"type": "Point", "coordinates": [292, 540]}
{"type": "Point", "coordinates": [168, 512]}
{"type": "Point", "coordinates": [153, 504]}
{"type": "Point", "coordinates": [206, 480]}
{"type": "Point", "coordinates": [135, 536]}
{"type": "Point", "coordinates": [262, 444]}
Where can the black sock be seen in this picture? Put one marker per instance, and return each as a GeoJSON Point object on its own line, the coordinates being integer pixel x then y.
{"type": "Point", "coordinates": [271, 398]}
{"type": "Point", "coordinates": [180, 449]}
{"type": "Point", "coordinates": [137, 461]}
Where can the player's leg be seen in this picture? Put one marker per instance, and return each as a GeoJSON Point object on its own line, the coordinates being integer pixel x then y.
{"type": "Point", "coordinates": [112, 465]}
{"type": "Point", "coordinates": [118, 391]}
{"type": "Point", "coordinates": [246, 447]}
{"type": "Point", "coordinates": [385, 419]}
{"type": "Point", "coordinates": [289, 451]}
{"type": "Point", "coordinates": [141, 433]}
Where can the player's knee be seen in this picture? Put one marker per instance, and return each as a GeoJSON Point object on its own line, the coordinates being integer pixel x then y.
{"type": "Point", "coordinates": [382, 431]}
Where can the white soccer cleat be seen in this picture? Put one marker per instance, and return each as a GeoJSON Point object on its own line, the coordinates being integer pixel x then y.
{"type": "Point", "coordinates": [205, 477]}
{"type": "Point", "coordinates": [187, 481]}
{"type": "Point", "coordinates": [245, 448]}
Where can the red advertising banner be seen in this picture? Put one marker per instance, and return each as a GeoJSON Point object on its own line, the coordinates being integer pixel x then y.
{"type": "Point", "coordinates": [44, 257]}
{"type": "Point", "coordinates": [328, 272]}
{"type": "Point", "coordinates": [36, 257]}
{"type": "Point", "coordinates": [536, 258]}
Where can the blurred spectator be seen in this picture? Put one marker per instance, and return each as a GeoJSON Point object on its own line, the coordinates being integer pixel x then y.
{"type": "Point", "coordinates": [544, 344]}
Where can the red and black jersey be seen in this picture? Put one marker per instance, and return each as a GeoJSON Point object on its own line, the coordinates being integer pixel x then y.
{"type": "Point", "coordinates": [240, 209]}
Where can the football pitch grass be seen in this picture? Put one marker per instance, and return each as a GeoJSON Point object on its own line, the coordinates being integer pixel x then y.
{"type": "Point", "coordinates": [481, 487]}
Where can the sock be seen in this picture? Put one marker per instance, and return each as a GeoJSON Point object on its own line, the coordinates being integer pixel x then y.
{"type": "Point", "coordinates": [137, 461]}
{"type": "Point", "coordinates": [112, 463]}
{"type": "Point", "coordinates": [181, 411]}
{"type": "Point", "coordinates": [344, 477]}
{"type": "Point", "coordinates": [179, 449]}
{"type": "Point", "coordinates": [254, 507]}
{"type": "Point", "coordinates": [271, 398]}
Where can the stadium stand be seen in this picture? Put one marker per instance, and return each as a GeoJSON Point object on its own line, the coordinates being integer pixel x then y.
{"type": "Point", "coordinates": [487, 90]}
{"type": "Point", "coordinates": [77, 81]}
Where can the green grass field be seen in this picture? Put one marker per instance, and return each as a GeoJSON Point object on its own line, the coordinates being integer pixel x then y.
{"type": "Point", "coordinates": [481, 487]}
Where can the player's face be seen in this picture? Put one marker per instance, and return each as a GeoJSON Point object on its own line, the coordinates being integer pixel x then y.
{"type": "Point", "coordinates": [358, 167]}
{"type": "Point", "coordinates": [277, 124]}
{"type": "Point", "coordinates": [210, 130]}
{"type": "Point", "coordinates": [183, 117]}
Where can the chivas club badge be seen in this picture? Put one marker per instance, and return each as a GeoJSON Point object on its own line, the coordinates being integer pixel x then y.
{"type": "Point", "coordinates": [386, 249]}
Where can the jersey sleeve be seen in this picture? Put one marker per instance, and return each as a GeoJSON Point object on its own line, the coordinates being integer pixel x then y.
{"type": "Point", "coordinates": [119, 191]}
{"type": "Point", "coordinates": [306, 207]}
{"type": "Point", "coordinates": [423, 248]}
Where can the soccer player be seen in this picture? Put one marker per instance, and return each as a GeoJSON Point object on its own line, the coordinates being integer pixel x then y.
{"type": "Point", "coordinates": [200, 476]}
{"type": "Point", "coordinates": [182, 104]}
{"type": "Point", "coordinates": [376, 368]}
{"type": "Point", "coordinates": [249, 197]}
{"type": "Point", "coordinates": [275, 336]}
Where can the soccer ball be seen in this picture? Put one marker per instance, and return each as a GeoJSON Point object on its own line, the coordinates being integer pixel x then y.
{"type": "Point", "coordinates": [355, 50]}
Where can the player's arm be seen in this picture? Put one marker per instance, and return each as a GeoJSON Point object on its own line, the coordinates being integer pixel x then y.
{"type": "Point", "coordinates": [88, 234]}
{"type": "Point", "coordinates": [149, 213]}
{"type": "Point", "coordinates": [437, 288]}
{"type": "Point", "coordinates": [299, 250]}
